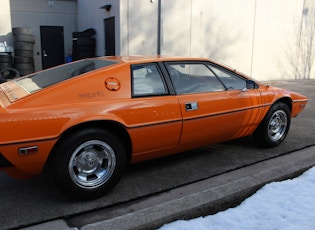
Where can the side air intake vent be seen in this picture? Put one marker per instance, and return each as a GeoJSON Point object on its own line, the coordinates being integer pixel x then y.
{"type": "Point", "coordinates": [4, 162]}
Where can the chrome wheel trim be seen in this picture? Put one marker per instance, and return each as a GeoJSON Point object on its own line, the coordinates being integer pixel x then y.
{"type": "Point", "coordinates": [92, 164]}
{"type": "Point", "coordinates": [277, 125]}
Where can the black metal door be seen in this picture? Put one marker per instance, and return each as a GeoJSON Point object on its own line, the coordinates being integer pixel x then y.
{"type": "Point", "coordinates": [52, 46]}
{"type": "Point", "coordinates": [109, 24]}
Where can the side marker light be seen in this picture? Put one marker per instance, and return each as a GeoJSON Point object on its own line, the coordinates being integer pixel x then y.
{"type": "Point", "coordinates": [28, 150]}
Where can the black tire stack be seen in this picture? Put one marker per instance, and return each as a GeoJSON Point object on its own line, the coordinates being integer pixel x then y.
{"type": "Point", "coordinates": [6, 64]}
{"type": "Point", "coordinates": [83, 45]}
{"type": "Point", "coordinates": [6, 60]}
{"type": "Point", "coordinates": [24, 42]}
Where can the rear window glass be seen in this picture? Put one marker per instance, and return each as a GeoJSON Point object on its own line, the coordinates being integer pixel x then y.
{"type": "Point", "coordinates": [147, 80]}
{"type": "Point", "coordinates": [40, 80]}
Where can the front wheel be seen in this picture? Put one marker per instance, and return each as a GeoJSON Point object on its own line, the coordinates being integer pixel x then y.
{"type": "Point", "coordinates": [88, 163]}
{"type": "Point", "coordinates": [275, 126]}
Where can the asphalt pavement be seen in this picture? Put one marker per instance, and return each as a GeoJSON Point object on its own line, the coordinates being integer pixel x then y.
{"type": "Point", "coordinates": [209, 195]}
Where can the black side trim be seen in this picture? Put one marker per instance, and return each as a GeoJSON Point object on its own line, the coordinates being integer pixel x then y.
{"type": "Point", "coordinates": [153, 124]}
{"type": "Point", "coordinates": [4, 162]}
{"type": "Point", "coordinates": [223, 113]}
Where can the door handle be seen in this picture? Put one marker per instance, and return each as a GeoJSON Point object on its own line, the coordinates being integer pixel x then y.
{"type": "Point", "coordinates": [191, 106]}
{"type": "Point", "coordinates": [44, 53]}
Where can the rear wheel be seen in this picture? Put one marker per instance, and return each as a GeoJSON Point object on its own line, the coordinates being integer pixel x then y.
{"type": "Point", "coordinates": [88, 164]}
{"type": "Point", "coordinates": [275, 126]}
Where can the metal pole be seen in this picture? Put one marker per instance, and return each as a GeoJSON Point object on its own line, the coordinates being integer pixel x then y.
{"type": "Point", "coordinates": [159, 29]}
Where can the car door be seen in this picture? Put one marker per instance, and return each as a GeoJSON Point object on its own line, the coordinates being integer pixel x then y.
{"type": "Point", "coordinates": [213, 109]}
{"type": "Point", "coordinates": [154, 113]}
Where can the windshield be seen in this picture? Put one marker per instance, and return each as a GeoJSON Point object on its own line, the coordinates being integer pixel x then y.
{"type": "Point", "coordinates": [40, 80]}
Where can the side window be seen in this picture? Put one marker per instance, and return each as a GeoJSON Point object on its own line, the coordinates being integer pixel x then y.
{"type": "Point", "coordinates": [230, 80]}
{"type": "Point", "coordinates": [147, 80]}
{"type": "Point", "coordinates": [193, 78]}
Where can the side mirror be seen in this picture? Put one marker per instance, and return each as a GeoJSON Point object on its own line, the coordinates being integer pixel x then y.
{"type": "Point", "coordinates": [250, 84]}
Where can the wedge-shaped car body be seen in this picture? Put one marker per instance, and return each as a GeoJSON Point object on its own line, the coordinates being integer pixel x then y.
{"type": "Point", "coordinates": [86, 120]}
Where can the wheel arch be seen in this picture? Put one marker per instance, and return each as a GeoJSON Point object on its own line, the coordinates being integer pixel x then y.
{"type": "Point", "coordinates": [261, 133]}
{"type": "Point", "coordinates": [285, 100]}
{"type": "Point", "coordinates": [115, 128]}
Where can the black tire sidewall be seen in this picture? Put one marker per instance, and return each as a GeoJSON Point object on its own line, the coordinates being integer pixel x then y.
{"type": "Point", "coordinates": [6, 58]}
{"type": "Point", "coordinates": [29, 38]}
{"type": "Point", "coordinates": [84, 41]}
{"type": "Point", "coordinates": [261, 134]}
{"type": "Point", "coordinates": [24, 53]}
{"type": "Point", "coordinates": [9, 73]}
{"type": "Point", "coordinates": [24, 46]}
{"type": "Point", "coordinates": [63, 152]}
{"type": "Point", "coordinates": [21, 30]}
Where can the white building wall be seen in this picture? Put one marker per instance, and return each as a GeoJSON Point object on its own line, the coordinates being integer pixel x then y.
{"type": "Point", "coordinates": [228, 33]}
{"type": "Point", "coordinates": [256, 37]}
{"type": "Point", "coordinates": [142, 27]}
{"type": "Point", "coordinates": [275, 37]}
{"type": "Point", "coordinates": [177, 27]}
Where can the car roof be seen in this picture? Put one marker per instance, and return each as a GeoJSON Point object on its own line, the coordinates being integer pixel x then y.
{"type": "Point", "coordinates": [157, 58]}
{"type": "Point", "coordinates": [160, 58]}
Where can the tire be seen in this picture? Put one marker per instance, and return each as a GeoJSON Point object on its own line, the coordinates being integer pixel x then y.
{"type": "Point", "coordinates": [86, 49]}
{"type": "Point", "coordinates": [274, 127]}
{"type": "Point", "coordinates": [75, 35]}
{"type": "Point", "coordinates": [9, 73]}
{"type": "Point", "coordinates": [21, 30]}
{"type": "Point", "coordinates": [24, 46]}
{"type": "Point", "coordinates": [29, 38]}
{"type": "Point", "coordinates": [6, 58]}
{"type": "Point", "coordinates": [6, 65]}
{"type": "Point", "coordinates": [88, 163]}
{"type": "Point", "coordinates": [24, 53]}
{"type": "Point", "coordinates": [87, 33]}
{"type": "Point", "coordinates": [82, 55]}
{"type": "Point", "coordinates": [84, 41]}
{"type": "Point", "coordinates": [20, 59]}
{"type": "Point", "coordinates": [22, 66]}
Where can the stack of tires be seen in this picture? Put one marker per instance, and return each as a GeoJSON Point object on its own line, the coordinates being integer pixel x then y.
{"type": "Point", "coordinates": [24, 42]}
{"type": "Point", "coordinates": [84, 44]}
{"type": "Point", "coordinates": [6, 58]}
{"type": "Point", "coordinates": [6, 63]}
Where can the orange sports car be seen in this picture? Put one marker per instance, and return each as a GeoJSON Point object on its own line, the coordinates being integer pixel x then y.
{"type": "Point", "coordinates": [86, 120]}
